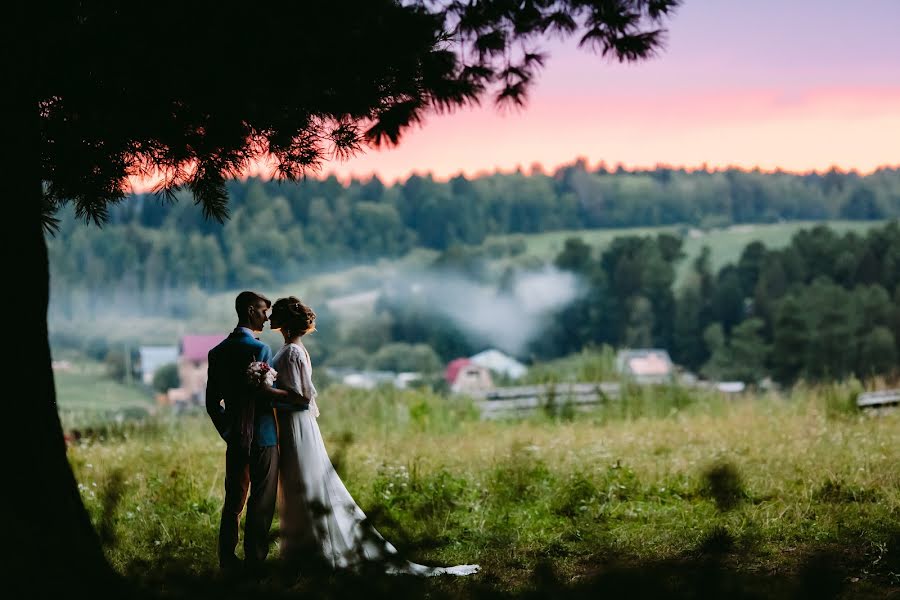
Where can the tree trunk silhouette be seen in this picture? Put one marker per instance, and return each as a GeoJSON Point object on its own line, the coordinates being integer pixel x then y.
{"type": "Point", "coordinates": [54, 545]}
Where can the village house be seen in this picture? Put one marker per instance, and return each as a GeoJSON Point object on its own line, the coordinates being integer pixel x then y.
{"type": "Point", "coordinates": [474, 374]}
{"type": "Point", "coordinates": [472, 378]}
{"type": "Point", "coordinates": [646, 365]}
{"type": "Point", "coordinates": [498, 362]}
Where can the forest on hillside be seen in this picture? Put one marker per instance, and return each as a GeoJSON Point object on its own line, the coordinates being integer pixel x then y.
{"type": "Point", "coordinates": [279, 231]}
{"type": "Point", "coordinates": [824, 307]}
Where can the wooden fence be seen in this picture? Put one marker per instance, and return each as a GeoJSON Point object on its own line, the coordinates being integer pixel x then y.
{"type": "Point", "coordinates": [880, 399]}
{"type": "Point", "coordinates": [520, 400]}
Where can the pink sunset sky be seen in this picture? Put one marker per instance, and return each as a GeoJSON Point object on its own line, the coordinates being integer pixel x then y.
{"type": "Point", "coordinates": [799, 85]}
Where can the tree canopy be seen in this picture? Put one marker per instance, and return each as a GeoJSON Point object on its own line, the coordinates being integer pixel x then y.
{"type": "Point", "coordinates": [126, 91]}
{"type": "Point", "coordinates": [101, 92]}
{"type": "Point", "coordinates": [280, 232]}
{"type": "Point", "coordinates": [825, 307]}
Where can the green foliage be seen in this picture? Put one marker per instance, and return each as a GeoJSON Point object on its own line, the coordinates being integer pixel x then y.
{"type": "Point", "coordinates": [689, 346]}
{"type": "Point", "coordinates": [629, 300]}
{"type": "Point", "coordinates": [837, 491]}
{"type": "Point", "coordinates": [400, 357]}
{"type": "Point", "coordinates": [575, 256]}
{"type": "Point", "coordinates": [743, 357]}
{"type": "Point", "coordinates": [575, 495]}
{"type": "Point", "coordinates": [839, 399]}
{"type": "Point", "coordinates": [166, 378]}
{"type": "Point", "coordinates": [350, 357]}
{"type": "Point", "coordinates": [87, 397]}
{"type": "Point", "coordinates": [639, 401]}
{"type": "Point", "coordinates": [827, 301]}
{"type": "Point", "coordinates": [877, 352]}
{"type": "Point", "coordinates": [116, 365]}
{"type": "Point", "coordinates": [591, 364]}
{"type": "Point", "coordinates": [278, 233]}
{"type": "Point", "coordinates": [819, 308]}
{"type": "Point", "coordinates": [120, 364]}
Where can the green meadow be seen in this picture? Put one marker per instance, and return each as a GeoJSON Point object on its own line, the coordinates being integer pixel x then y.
{"type": "Point", "coordinates": [663, 483]}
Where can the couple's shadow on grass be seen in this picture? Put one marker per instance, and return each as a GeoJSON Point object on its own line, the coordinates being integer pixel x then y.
{"type": "Point", "coordinates": [714, 568]}
{"type": "Point", "coordinates": [719, 565]}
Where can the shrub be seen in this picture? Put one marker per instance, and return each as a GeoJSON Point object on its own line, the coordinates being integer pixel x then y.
{"type": "Point", "coordinates": [166, 378]}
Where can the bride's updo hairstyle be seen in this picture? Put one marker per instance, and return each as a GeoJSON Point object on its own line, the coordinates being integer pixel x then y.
{"type": "Point", "coordinates": [296, 317]}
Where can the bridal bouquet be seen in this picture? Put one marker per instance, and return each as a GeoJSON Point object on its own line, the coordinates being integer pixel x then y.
{"type": "Point", "coordinates": [260, 373]}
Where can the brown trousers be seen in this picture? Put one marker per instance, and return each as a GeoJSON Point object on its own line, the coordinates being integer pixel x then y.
{"type": "Point", "coordinates": [257, 472]}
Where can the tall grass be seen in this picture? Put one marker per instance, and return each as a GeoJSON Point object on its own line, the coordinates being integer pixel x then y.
{"type": "Point", "coordinates": [661, 474]}
{"type": "Point", "coordinates": [590, 364]}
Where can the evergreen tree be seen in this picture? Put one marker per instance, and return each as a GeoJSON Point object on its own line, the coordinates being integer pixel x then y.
{"type": "Point", "coordinates": [862, 205]}
{"type": "Point", "coordinates": [792, 339]}
{"type": "Point", "coordinates": [688, 347]}
{"type": "Point", "coordinates": [83, 123]}
{"type": "Point", "coordinates": [749, 352]}
{"type": "Point", "coordinates": [575, 256]}
{"type": "Point", "coordinates": [639, 327]}
{"type": "Point", "coordinates": [833, 343]}
{"type": "Point", "coordinates": [877, 353]}
{"type": "Point", "coordinates": [728, 299]}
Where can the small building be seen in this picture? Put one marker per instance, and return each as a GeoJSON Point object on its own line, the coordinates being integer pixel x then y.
{"type": "Point", "coordinates": [498, 362]}
{"type": "Point", "coordinates": [453, 368]}
{"type": "Point", "coordinates": [472, 378]}
{"type": "Point", "coordinates": [154, 357]}
{"type": "Point", "coordinates": [731, 387]}
{"type": "Point", "coordinates": [368, 380]}
{"type": "Point", "coordinates": [648, 365]}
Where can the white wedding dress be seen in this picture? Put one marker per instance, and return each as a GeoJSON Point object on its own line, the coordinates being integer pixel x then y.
{"type": "Point", "coordinates": [318, 514]}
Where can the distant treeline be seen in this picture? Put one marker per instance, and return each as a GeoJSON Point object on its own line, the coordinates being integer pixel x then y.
{"type": "Point", "coordinates": [826, 306]}
{"type": "Point", "coordinates": [279, 231]}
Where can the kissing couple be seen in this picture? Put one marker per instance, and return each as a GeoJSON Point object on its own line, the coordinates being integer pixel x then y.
{"type": "Point", "coordinates": [276, 452]}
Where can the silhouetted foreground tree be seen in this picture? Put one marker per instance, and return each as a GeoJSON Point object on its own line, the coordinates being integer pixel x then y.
{"type": "Point", "coordinates": [100, 92]}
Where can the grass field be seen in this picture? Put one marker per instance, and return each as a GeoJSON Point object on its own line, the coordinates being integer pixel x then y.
{"type": "Point", "coordinates": [652, 496]}
{"type": "Point", "coordinates": [87, 396]}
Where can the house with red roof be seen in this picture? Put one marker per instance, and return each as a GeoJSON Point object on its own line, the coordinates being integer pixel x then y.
{"type": "Point", "coordinates": [463, 375]}
{"type": "Point", "coordinates": [453, 368]}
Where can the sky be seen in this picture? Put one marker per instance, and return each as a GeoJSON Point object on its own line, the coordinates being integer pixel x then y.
{"type": "Point", "coordinates": [797, 85]}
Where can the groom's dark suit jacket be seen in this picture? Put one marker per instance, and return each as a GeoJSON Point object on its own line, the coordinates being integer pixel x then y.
{"type": "Point", "coordinates": [227, 380]}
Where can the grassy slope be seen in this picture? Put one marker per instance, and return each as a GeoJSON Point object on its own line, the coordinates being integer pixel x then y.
{"type": "Point", "coordinates": [86, 395]}
{"type": "Point", "coordinates": [583, 495]}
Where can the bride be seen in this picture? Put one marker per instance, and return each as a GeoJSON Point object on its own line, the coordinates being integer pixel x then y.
{"type": "Point", "coordinates": [319, 519]}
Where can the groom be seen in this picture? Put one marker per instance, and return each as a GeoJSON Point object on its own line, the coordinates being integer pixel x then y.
{"type": "Point", "coordinates": [247, 424]}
